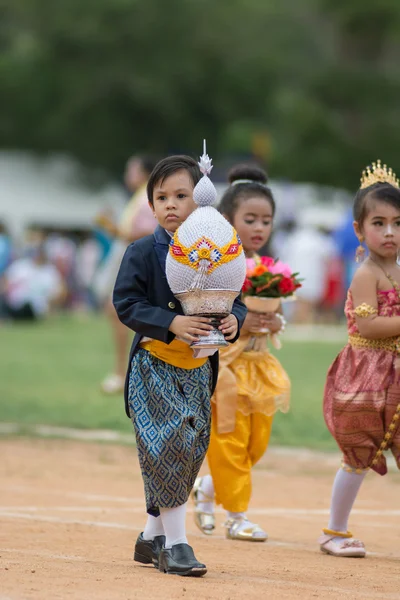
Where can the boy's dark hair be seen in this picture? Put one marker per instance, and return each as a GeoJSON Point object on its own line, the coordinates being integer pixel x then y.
{"type": "Point", "coordinates": [254, 184]}
{"type": "Point", "coordinates": [383, 192]}
{"type": "Point", "coordinates": [167, 167]}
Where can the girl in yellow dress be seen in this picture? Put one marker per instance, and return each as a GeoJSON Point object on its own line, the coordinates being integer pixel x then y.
{"type": "Point", "coordinates": [252, 384]}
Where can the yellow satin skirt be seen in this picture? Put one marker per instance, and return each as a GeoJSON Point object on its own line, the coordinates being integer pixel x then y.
{"type": "Point", "coordinates": [261, 382]}
{"type": "Point", "coordinates": [249, 382]}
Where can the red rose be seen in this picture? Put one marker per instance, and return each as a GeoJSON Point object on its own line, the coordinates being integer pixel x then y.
{"type": "Point", "coordinates": [247, 285]}
{"type": "Point", "coordinates": [286, 286]}
{"type": "Point", "coordinates": [267, 261]}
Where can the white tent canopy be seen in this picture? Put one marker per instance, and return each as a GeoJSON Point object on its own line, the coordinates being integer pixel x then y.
{"type": "Point", "coordinates": [49, 192]}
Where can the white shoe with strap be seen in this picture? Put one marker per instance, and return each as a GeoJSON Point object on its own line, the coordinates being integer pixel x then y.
{"type": "Point", "coordinates": [339, 543]}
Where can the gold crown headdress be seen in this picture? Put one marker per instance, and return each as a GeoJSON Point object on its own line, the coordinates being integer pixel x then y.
{"type": "Point", "coordinates": [378, 174]}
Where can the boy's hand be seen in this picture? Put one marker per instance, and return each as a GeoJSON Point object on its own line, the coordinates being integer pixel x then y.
{"type": "Point", "coordinates": [229, 327]}
{"type": "Point", "coordinates": [189, 328]}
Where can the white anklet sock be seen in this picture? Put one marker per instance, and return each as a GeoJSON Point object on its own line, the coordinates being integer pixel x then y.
{"type": "Point", "coordinates": [153, 528]}
{"type": "Point", "coordinates": [205, 492]}
{"type": "Point", "coordinates": [245, 523]}
{"type": "Point", "coordinates": [344, 493]}
{"type": "Point", "coordinates": [235, 515]}
{"type": "Point", "coordinates": [174, 523]}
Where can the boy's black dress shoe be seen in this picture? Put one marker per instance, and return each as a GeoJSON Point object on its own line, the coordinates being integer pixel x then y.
{"type": "Point", "coordinates": [147, 551]}
{"type": "Point", "coordinates": [180, 560]}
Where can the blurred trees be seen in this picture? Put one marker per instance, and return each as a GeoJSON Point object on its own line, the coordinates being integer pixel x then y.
{"type": "Point", "coordinates": [312, 86]}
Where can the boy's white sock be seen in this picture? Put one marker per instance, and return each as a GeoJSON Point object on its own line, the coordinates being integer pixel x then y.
{"type": "Point", "coordinates": [174, 524]}
{"type": "Point", "coordinates": [153, 528]}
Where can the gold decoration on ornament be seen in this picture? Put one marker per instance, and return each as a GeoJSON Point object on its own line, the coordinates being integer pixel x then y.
{"type": "Point", "coordinates": [205, 249]}
{"type": "Point", "coordinates": [204, 253]}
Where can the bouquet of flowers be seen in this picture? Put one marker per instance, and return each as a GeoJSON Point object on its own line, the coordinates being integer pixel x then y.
{"type": "Point", "coordinates": [267, 282]}
{"type": "Point", "coordinates": [269, 278]}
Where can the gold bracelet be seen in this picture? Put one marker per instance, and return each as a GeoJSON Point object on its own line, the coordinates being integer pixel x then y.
{"type": "Point", "coordinates": [365, 310]}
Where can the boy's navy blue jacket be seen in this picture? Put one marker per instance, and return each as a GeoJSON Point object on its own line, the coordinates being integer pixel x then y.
{"type": "Point", "coordinates": [144, 301]}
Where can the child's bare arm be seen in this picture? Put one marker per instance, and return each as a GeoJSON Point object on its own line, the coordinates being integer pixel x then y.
{"type": "Point", "coordinates": [364, 290]}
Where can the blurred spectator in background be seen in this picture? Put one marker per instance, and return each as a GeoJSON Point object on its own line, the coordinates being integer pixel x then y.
{"type": "Point", "coordinates": [103, 238]}
{"type": "Point", "coordinates": [32, 287]}
{"type": "Point", "coordinates": [347, 242]}
{"type": "Point", "coordinates": [33, 237]}
{"type": "Point", "coordinates": [332, 303]}
{"type": "Point", "coordinates": [136, 221]}
{"type": "Point", "coordinates": [89, 256]}
{"type": "Point", "coordinates": [5, 249]}
{"type": "Point", "coordinates": [61, 250]}
{"type": "Point", "coordinates": [281, 236]}
{"type": "Point", "coordinates": [308, 249]}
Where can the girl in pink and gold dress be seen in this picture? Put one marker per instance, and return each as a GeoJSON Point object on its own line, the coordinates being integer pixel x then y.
{"type": "Point", "coordinates": [362, 393]}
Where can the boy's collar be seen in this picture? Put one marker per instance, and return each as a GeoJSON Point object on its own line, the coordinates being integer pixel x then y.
{"type": "Point", "coordinates": [162, 236]}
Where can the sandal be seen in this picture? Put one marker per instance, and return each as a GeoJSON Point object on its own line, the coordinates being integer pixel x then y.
{"type": "Point", "coordinates": [205, 521]}
{"type": "Point", "coordinates": [347, 546]}
{"type": "Point", "coordinates": [249, 533]}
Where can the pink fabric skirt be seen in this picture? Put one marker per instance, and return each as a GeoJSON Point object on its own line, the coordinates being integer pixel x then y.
{"type": "Point", "coordinates": [360, 400]}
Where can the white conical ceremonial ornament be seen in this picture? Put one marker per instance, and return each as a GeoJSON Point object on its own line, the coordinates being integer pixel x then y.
{"type": "Point", "coordinates": [205, 194]}
{"type": "Point", "coordinates": [206, 265]}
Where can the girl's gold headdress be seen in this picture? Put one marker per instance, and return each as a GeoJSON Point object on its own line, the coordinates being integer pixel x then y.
{"type": "Point", "coordinates": [378, 174]}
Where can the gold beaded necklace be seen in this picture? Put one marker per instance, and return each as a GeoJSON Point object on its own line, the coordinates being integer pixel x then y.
{"type": "Point", "coordinates": [390, 277]}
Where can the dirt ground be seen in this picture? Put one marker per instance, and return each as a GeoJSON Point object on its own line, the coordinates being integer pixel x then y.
{"type": "Point", "coordinates": [70, 513]}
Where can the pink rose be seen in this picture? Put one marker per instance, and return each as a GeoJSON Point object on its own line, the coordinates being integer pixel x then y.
{"type": "Point", "coordinates": [250, 264]}
{"type": "Point", "coordinates": [267, 261]}
{"type": "Point", "coordinates": [281, 268]}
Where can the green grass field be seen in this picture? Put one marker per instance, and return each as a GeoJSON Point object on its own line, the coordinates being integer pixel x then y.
{"type": "Point", "coordinates": [50, 374]}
